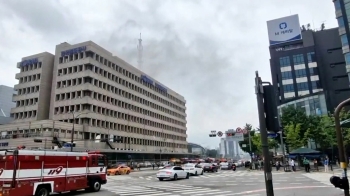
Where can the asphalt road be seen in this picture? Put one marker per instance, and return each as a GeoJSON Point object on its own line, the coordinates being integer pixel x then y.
{"type": "Point", "coordinates": [223, 183]}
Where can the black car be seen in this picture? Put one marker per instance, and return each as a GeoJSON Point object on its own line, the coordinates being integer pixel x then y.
{"type": "Point", "coordinates": [210, 168]}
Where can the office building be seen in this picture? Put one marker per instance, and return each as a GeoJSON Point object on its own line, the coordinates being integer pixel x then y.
{"type": "Point", "coordinates": [342, 13]}
{"type": "Point", "coordinates": [307, 66]}
{"type": "Point", "coordinates": [6, 103]}
{"type": "Point", "coordinates": [229, 148]}
{"type": "Point", "coordinates": [104, 97]}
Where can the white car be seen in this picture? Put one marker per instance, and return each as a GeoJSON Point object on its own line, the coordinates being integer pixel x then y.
{"type": "Point", "coordinates": [193, 169]}
{"type": "Point", "coordinates": [174, 172]}
{"type": "Point", "coordinates": [224, 165]}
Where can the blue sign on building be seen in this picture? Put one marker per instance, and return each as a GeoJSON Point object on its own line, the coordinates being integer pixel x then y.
{"type": "Point", "coordinates": [146, 79]}
{"type": "Point", "coordinates": [73, 51]}
{"type": "Point", "coordinates": [4, 144]}
{"type": "Point", "coordinates": [161, 88]}
{"type": "Point", "coordinates": [29, 62]}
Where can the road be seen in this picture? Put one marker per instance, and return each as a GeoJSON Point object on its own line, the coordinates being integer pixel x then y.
{"type": "Point", "coordinates": [222, 183]}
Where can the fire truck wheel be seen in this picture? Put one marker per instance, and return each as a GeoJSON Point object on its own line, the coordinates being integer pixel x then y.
{"type": "Point", "coordinates": [95, 186]}
{"type": "Point", "coordinates": [42, 191]}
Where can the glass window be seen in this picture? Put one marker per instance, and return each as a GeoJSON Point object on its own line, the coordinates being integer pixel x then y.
{"type": "Point", "coordinates": [315, 84]}
{"type": "Point", "coordinates": [284, 61]}
{"type": "Point", "coordinates": [299, 73]}
{"type": "Point", "coordinates": [347, 58]}
{"type": "Point", "coordinates": [337, 5]}
{"type": "Point", "coordinates": [311, 57]}
{"type": "Point", "coordinates": [313, 71]}
{"type": "Point", "coordinates": [298, 59]}
{"type": "Point", "coordinates": [303, 86]}
{"type": "Point", "coordinates": [288, 88]}
{"type": "Point", "coordinates": [287, 75]}
{"type": "Point", "coordinates": [344, 40]}
{"type": "Point", "coordinates": [340, 21]}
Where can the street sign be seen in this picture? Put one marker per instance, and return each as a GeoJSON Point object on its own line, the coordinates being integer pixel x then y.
{"type": "Point", "coordinates": [272, 135]}
{"type": "Point", "coordinates": [220, 134]}
{"type": "Point", "coordinates": [239, 130]}
{"type": "Point", "coordinates": [234, 136]}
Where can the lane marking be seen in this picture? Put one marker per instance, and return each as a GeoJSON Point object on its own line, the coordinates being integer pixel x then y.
{"type": "Point", "coordinates": [281, 188]}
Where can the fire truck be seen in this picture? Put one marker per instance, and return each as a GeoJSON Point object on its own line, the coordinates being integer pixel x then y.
{"type": "Point", "coordinates": [41, 172]}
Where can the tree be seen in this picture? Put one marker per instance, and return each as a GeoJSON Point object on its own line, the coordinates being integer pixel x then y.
{"type": "Point", "coordinates": [293, 136]}
{"type": "Point", "coordinates": [295, 115]}
{"type": "Point", "coordinates": [245, 143]}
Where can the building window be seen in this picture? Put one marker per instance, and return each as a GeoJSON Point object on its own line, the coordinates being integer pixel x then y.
{"type": "Point", "coordinates": [315, 84]}
{"type": "Point", "coordinates": [313, 71]}
{"type": "Point", "coordinates": [303, 86]}
{"type": "Point", "coordinates": [288, 88]}
{"type": "Point", "coordinates": [298, 59]}
{"type": "Point", "coordinates": [284, 61]}
{"type": "Point", "coordinates": [340, 21]}
{"type": "Point", "coordinates": [337, 5]}
{"type": "Point", "coordinates": [311, 57]}
{"type": "Point", "coordinates": [299, 73]}
{"type": "Point", "coordinates": [344, 40]}
{"type": "Point", "coordinates": [287, 75]}
{"type": "Point", "coordinates": [347, 58]}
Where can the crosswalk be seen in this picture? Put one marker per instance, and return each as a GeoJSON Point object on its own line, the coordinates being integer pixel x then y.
{"type": "Point", "coordinates": [162, 189]}
{"type": "Point", "coordinates": [219, 174]}
{"type": "Point", "coordinates": [321, 177]}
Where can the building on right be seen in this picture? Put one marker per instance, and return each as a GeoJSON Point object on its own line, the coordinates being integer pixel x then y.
{"type": "Point", "coordinates": [307, 66]}
{"type": "Point", "coordinates": [342, 13]}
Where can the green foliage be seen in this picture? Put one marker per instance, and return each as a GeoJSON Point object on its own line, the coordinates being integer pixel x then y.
{"type": "Point", "coordinates": [292, 132]}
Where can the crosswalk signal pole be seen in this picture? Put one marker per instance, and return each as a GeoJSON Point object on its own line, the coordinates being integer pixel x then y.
{"type": "Point", "coordinates": [263, 133]}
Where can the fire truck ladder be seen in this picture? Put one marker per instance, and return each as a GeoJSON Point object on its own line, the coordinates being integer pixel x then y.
{"type": "Point", "coordinates": [57, 141]}
{"type": "Point", "coordinates": [108, 143]}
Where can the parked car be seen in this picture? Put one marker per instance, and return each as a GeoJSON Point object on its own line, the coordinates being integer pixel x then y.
{"type": "Point", "coordinates": [209, 167]}
{"type": "Point", "coordinates": [193, 169]}
{"type": "Point", "coordinates": [174, 172]}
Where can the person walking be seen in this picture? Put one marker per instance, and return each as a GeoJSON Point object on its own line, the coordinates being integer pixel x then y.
{"type": "Point", "coordinates": [315, 164]}
{"type": "Point", "coordinates": [293, 165]}
{"type": "Point", "coordinates": [153, 165]}
{"type": "Point", "coordinates": [326, 163]}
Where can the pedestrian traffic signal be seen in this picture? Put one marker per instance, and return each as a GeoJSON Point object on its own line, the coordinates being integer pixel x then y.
{"type": "Point", "coordinates": [270, 106]}
{"type": "Point", "coordinates": [338, 182]}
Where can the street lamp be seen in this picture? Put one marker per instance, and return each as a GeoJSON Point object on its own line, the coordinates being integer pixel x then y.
{"type": "Point", "coordinates": [72, 135]}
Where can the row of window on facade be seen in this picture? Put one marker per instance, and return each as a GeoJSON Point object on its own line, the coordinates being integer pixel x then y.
{"type": "Point", "coordinates": [115, 67]}
{"type": "Point", "coordinates": [297, 59]}
{"type": "Point", "coordinates": [114, 114]}
{"type": "Point", "coordinates": [24, 115]}
{"type": "Point", "coordinates": [30, 78]}
{"type": "Point", "coordinates": [101, 72]}
{"type": "Point", "coordinates": [27, 102]}
{"type": "Point", "coordinates": [111, 101]}
{"type": "Point", "coordinates": [302, 86]}
{"type": "Point", "coordinates": [299, 73]}
{"type": "Point", "coordinates": [28, 90]}
{"type": "Point", "coordinates": [31, 67]}
{"type": "Point", "coordinates": [112, 126]}
{"type": "Point", "coordinates": [115, 90]}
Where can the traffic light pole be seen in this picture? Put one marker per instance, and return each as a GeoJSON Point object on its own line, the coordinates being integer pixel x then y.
{"type": "Point", "coordinates": [263, 133]}
{"type": "Point", "coordinates": [342, 160]}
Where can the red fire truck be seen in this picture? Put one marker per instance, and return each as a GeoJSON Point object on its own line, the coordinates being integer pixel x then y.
{"type": "Point", "coordinates": [41, 172]}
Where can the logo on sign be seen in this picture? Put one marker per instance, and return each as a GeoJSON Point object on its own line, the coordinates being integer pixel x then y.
{"type": "Point", "coordinates": [55, 171]}
{"type": "Point", "coordinates": [283, 25]}
{"type": "Point", "coordinates": [1, 171]}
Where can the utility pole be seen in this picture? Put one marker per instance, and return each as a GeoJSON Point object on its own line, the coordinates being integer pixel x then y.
{"type": "Point", "coordinates": [282, 145]}
{"type": "Point", "coordinates": [259, 90]}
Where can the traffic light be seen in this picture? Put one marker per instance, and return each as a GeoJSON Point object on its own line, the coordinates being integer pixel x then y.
{"type": "Point", "coordinates": [270, 106]}
{"type": "Point", "coordinates": [338, 182]}
{"type": "Point", "coordinates": [230, 134]}
{"type": "Point", "coordinates": [212, 135]}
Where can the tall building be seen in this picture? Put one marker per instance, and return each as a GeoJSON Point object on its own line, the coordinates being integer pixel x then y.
{"type": "Point", "coordinates": [6, 103]}
{"type": "Point", "coordinates": [307, 66]}
{"type": "Point", "coordinates": [342, 13]}
{"type": "Point", "coordinates": [104, 97]}
{"type": "Point", "coordinates": [229, 148]}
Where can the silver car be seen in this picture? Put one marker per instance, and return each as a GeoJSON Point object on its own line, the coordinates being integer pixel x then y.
{"type": "Point", "coordinates": [174, 172]}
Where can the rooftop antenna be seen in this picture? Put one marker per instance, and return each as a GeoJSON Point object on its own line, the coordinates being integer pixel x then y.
{"type": "Point", "coordinates": [140, 50]}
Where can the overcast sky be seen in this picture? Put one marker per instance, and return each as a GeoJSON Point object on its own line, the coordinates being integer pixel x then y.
{"type": "Point", "coordinates": [206, 50]}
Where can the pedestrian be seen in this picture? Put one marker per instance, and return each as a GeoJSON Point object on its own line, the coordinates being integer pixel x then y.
{"type": "Point", "coordinates": [153, 165]}
{"type": "Point", "coordinates": [277, 165]}
{"type": "Point", "coordinates": [315, 164]}
{"type": "Point", "coordinates": [293, 165]}
{"type": "Point", "coordinates": [326, 163]}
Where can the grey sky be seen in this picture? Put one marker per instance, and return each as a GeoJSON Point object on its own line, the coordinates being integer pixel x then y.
{"type": "Point", "coordinates": [206, 50]}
